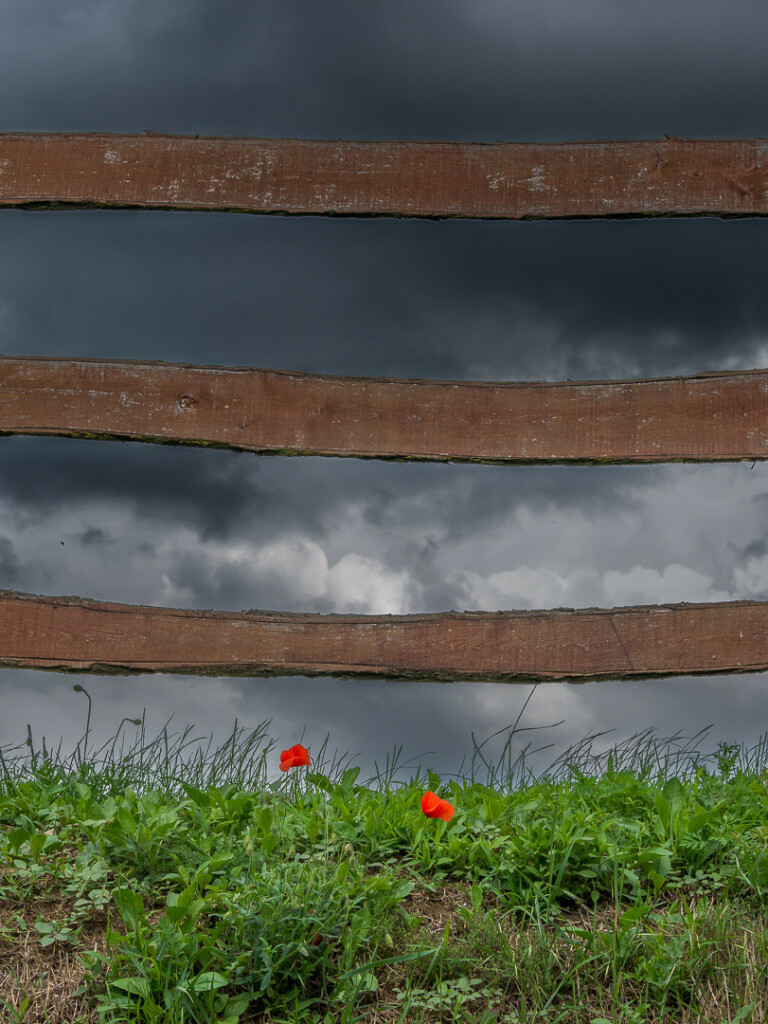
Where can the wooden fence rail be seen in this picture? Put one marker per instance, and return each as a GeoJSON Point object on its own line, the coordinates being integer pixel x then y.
{"type": "Point", "coordinates": [657, 177]}
{"type": "Point", "coordinates": [706, 417]}
{"type": "Point", "coordinates": [76, 635]}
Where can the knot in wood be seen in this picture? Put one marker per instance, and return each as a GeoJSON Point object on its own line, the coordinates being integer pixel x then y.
{"type": "Point", "coordinates": [187, 402]}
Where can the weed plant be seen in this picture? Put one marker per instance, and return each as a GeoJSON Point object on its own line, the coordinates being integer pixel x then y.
{"type": "Point", "coordinates": [163, 886]}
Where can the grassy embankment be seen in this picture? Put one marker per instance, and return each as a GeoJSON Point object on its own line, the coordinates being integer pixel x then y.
{"type": "Point", "coordinates": [153, 887]}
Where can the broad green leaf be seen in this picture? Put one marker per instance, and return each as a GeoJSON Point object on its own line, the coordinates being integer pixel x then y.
{"type": "Point", "coordinates": [349, 777]}
{"type": "Point", "coordinates": [136, 986]}
{"type": "Point", "coordinates": [208, 980]}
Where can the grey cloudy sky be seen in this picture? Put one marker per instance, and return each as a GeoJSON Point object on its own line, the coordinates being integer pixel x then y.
{"type": "Point", "coordinates": [200, 528]}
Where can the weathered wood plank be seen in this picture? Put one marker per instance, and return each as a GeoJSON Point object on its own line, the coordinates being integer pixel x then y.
{"type": "Point", "coordinates": [78, 635]}
{"type": "Point", "coordinates": [709, 417]}
{"type": "Point", "coordinates": [678, 177]}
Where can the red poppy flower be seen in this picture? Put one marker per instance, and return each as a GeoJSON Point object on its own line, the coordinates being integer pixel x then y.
{"type": "Point", "coordinates": [294, 758]}
{"type": "Point", "coordinates": [434, 807]}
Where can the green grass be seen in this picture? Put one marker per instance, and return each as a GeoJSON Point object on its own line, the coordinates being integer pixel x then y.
{"type": "Point", "coordinates": [157, 886]}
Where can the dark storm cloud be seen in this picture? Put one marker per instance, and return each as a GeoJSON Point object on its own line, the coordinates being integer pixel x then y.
{"type": "Point", "coordinates": [178, 486]}
{"type": "Point", "coordinates": [223, 495]}
{"type": "Point", "coordinates": [9, 563]}
{"type": "Point", "coordinates": [378, 297]}
{"type": "Point", "coordinates": [755, 548]}
{"type": "Point", "coordinates": [95, 536]}
{"type": "Point", "coordinates": [486, 70]}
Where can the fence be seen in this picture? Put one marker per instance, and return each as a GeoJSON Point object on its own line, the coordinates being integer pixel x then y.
{"type": "Point", "coordinates": [703, 418]}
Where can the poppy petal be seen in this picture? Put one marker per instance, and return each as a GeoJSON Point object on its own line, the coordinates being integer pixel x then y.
{"type": "Point", "coordinates": [446, 810]}
{"type": "Point", "coordinates": [429, 802]}
{"type": "Point", "coordinates": [295, 757]}
{"type": "Point", "coordinates": [434, 807]}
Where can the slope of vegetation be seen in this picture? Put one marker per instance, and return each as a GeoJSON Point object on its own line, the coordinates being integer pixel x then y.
{"type": "Point", "coordinates": [152, 887]}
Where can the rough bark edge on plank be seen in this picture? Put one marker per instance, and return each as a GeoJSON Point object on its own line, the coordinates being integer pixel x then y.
{"type": "Point", "coordinates": [706, 417]}
{"type": "Point", "coordinates": [433, 180]}
{"type": "Point", "coordinates": [724, 638]}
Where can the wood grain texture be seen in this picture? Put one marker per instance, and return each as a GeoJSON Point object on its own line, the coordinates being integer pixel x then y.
{"type": "Point", "coordinates": [77, 635]}
{"type": "Point", "coordinates": [710, 417]}
{"type": "Point", "coordinates": [677, 177]}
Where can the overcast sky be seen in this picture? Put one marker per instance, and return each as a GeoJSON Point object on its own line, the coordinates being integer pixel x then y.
{"type": "Point", "coordinates": [457, 300]}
